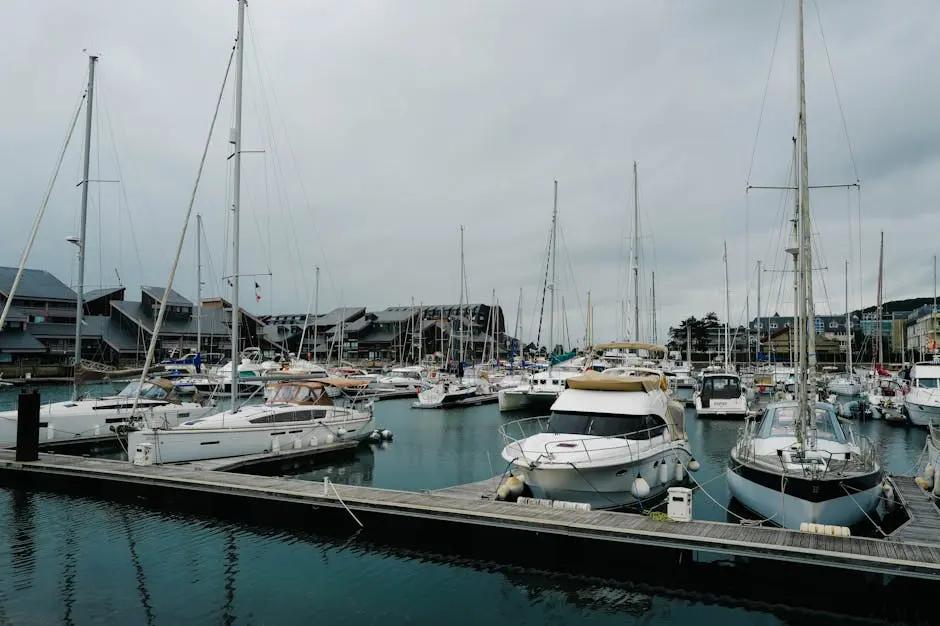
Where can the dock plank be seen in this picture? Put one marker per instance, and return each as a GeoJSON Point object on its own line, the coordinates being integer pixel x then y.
{"type": "Point", "coordinates": [454, 506]}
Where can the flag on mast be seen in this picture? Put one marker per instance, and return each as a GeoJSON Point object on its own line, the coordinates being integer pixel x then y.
{"type": "Point", "coordinates": [257, 292]}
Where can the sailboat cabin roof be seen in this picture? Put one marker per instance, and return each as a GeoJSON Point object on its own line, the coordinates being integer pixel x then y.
{"type": "Point", "coordinates": [780, 420]}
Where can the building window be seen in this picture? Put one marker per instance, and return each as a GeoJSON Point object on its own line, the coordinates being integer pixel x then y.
{"type": "Point", "coordinates": [833, 324]}
{"type": "Point", "coordinates": [819, 325]}
{"type": "Point", "coordinates": [773, 326]}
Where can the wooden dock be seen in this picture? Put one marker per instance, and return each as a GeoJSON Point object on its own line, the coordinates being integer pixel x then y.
{"type": "Point", "coordinates": [379, 508]}
{"type": "Point", "coordinates": [924, 523]}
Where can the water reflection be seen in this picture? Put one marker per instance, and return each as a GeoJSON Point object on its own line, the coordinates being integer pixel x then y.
{"type": "Point", "coordinates": [22, 540]}
{"type": "Point", "coordinates": [355, 471]}
{"type": "Point", "coordinates": [142, 590]}
{"type": "Point", "coordinates": [230, 571]}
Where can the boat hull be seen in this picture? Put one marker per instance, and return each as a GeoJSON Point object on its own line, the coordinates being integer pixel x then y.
{"type": "Point", "coordinates": [82, 421]}
{"type": "Point", "coordinates": [796, 506]}
{"type": "Point", "coordinates": [608, 486]}
{"type": "Point", "coordinates": [735, 408]}
{"type": "Point", "coordinates": [511, 400]}
{"type": "Point", "coordinates": [847, 389]}
{"type": "Point", "coordinates": [921, 414]}
{"type": "Point", "coordinates": [195, 444]}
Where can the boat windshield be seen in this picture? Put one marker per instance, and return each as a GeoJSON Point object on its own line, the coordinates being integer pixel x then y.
{"type": "Point", "coordinates": [721, 387]}
{"type": "Point", "coordinates": [406, 374]}
{"type": "Point", "coordinates": [148, 390]}
{"type": "Point", "coordinates": [781, 422]}
{"type": "Point", "coordinates": [928, 383]}
{"type": "Point", "coordinates": [606, 425]}
{"type": "Point", "coordinates": [293, 393]}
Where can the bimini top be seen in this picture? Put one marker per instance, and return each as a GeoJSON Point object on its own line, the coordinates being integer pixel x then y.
{"type": "Point", "coordinates": [593, 381]}
{"type": "Point", "coordinates": [631, 345]}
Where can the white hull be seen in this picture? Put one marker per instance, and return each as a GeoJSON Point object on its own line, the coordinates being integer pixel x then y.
{"type": "Point", "coordinates": [767, 503]}
{"type": "Point", "coordinates": [194, 444]}
{"type": "Point", "coordinates": [736, 407]}
{"type": "Point", "coordinates": [921, 414]}
{"type": "Point", "coordinates": [608, 486]}
{"type": "Point", "coordinates": [845, 388]}
{"type": "Point", "coordinates": [513, 400]}
{"type": "Point", "coordinates": [82, 421]}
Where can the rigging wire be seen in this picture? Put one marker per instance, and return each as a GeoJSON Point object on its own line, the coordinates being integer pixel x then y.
{"type": "Point", "coordinates": [42, 210]}
{"type": "Point", "coordinates": [763, 102]}
{"type": "Point", "coordinates": [182, 239]}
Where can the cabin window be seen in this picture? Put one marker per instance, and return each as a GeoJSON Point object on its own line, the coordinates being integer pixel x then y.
{"type": "Point", "coordinates": [721, 387]}
{"type": "Point", "coordinates": [606, 425]}
{"type": "Point", "coordinates": [782, 422]}
{"type": "Point", "coordinates": [928, 383]}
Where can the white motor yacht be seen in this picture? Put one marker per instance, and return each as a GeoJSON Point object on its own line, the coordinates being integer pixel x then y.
{"type": "Point", "coordinates": [301, 414]}
{"type": "Point", "coordinates": [721, 394]}
{"type": "Point", "coordinates": [922, 401]}
{"type": "Point", "coordinates": [447, 393]}
{"type": "Point", "coordinates": [790, 470]}
{"type": "Point", "coordinates": [540, 391]}
{"type": "Point", "coordinates": [612, 440]}
{"type": "Point", "coordinates": [406, 378]}
{"type": "Point", "coordinates": [86, 418]}
{"type": "Point", "coordinates": [847, 385]}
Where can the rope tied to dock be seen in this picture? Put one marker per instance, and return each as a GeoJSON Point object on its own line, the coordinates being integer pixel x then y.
{"type": "Point", "coordinates": [329, 483]}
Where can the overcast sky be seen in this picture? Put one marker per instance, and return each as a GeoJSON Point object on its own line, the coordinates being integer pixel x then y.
{"type": "Point", "coordinates": [386, 125]}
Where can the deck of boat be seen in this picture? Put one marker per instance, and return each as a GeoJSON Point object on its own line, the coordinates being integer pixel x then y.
{"type": "Point", "coordinates": [919, 558]}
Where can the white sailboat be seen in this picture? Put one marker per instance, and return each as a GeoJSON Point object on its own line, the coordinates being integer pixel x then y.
{"type": "Point", "coordinates": [801, 464]}
{"type": "Point", "coordinates": [81, 417]}
{"type": "Point", "coordinates": [614, 439]}
{"type": "Point", "coordinates": [288, 418]}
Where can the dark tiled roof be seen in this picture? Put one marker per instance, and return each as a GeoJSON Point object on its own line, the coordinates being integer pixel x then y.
{"type": "Point", "coordinates": [35, 285]}
{"type": "Point", "coordinates": [336, 316]}
{"type": "Point", "coordinates": [212, 320]}
{"type": "Point", "coordinates": [354, 326]}
{"type": "Point", "coordinates": [19, 341]}
{"type": "Point", "coordinates": [396, 314]}
{"type": "Point", "coordinates": [175, 299]}
{"type": "Point", "coordinates": [94, 294]}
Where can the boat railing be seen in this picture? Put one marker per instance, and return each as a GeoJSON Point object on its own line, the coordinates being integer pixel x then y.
{"type": "Point", "coordinates": [538, 425]}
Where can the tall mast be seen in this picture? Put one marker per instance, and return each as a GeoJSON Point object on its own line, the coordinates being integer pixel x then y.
{"type": "Point", "coordinates": [727, 315]}
{"type": "Point", "coordinates": [316, 307]}
{"type": "Point", "coordinates": [551, 310]}
{"type": "Point", "coordinates": [199, 285]}
{"type": "Point", "coordinates": [636, 257]}
{"type": "Point", "coordinates": [236, 193]}
{"type": "Point", "coordinates": [654, 306]}
{"type": "Point", "coordinates": [807, 256]}
{"type": "Point", "coordinates": [759, 325]}
{"type": "Point", "coordinates": [934, 316]}
{"type": "Point", "coordinates": [688, 343]}
{"type": "Point", "coordinates": [79, 291]}
{"type": "Point", "coordinates": [460, 305]}
{"type": "Point", "coordinates": [587, 338]}
{"type": "Point", "coordinates": [795, 251]}
{"type": "Point", "coordinates": [881, 269]}
{"type": "Point", "coordinates": [848, 325]}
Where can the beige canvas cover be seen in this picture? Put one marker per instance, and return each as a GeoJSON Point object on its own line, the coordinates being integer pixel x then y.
{"type": "Point", "coordinates": [594, 381]}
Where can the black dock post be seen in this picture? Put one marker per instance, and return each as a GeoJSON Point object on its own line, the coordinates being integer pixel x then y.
{"type": "Point", "coordinates": [27, 426]}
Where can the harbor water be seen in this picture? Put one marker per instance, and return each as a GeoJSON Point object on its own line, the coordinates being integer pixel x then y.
{"type": "Point", "coordinates": [79, 560]}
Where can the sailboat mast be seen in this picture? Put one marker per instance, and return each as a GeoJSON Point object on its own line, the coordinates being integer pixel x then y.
{"type": "Point", "coordinates": [727, 315]}
{"type": "Point", "coordinates": [587, 338]}
{"type": "Point", "coordinates": [848, 325]}
{"type": "Point", "coordinates": [795, 251]}
{"type": "Point", "coordinates": [653, 303]}
{"type": "Point", "coordinates": [199, 285]}
{"type": "Point", "coordinates": [460, 305]}
{"type": "Point", "coordinates": [236, 193]}
{"type": "Point", "coordinates": [636, 256]}
{"type": "Point", "coordinates": [807, 255]}
{"type": "Point", "coordinates": [881, 269]}
{"type": "Point", "coordinates": [551, 308]}
{"type": "Point", "coordinates": [316, 307]}
{"type": "Point", "coordinates": [759, 325]}
{"type": "Point", "coordinates": [79, 291]}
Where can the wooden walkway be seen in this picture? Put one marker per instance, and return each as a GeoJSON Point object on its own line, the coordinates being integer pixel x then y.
{"type": "Point", "coordinates": [857, 553]}
{"type": "Point", "coordinates": [924, 525]}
